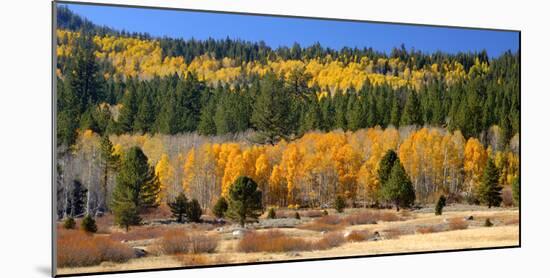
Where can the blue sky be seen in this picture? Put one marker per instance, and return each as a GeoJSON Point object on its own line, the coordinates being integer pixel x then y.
{"type": "Point", "coordinates": [279, 31]}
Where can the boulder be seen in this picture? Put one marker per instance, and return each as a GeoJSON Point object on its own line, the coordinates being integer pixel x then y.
{"type": "Point", "coordinates": [469, 218]}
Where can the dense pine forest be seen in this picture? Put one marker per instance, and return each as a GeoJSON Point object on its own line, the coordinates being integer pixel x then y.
{"type": "Point", "coordinates": [306, 123]}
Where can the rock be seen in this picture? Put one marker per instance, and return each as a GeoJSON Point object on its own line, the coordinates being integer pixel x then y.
{"type": "Point", "coordinates": [220, 229]}
{"type": "Point", "coordinates": [323, 232]}
{"type": "Point", "coordinates": [140, 253]}
{"type": "Point", "coordinates": [347, 233]}
{"type": "Point", "coordinates": [469, 218]}
{"type": "Point", "coordinates": [124, 241]}
{"type": "Point", "coordinates": [375, 236]}
{"type": "Point", "coordinates": [238, 233]}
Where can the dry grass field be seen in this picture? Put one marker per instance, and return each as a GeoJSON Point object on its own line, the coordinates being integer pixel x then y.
{"type": "Point", "coordinates": [355, 232]}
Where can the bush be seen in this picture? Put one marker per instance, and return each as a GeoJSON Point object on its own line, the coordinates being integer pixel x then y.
{"type": "Point", "coordinates": [271, 213]}
{"type": "Point", "coordinates": [194, 211]}
{"type": "Point", "coordinates": [339, 204]}
{"type": "Point", "coordinates": [488, 223]}
{"type": "Point", "coordinates": [356, 236]}
{"type": "Point", "coordinates": [140, 233]}
{"type": "Point", "coordinates": [88, 224]}
{"type": "Point", "coordinates": [426, 230]}
{"type": "Point", "coordinates": [312, 213]}
{"type": "Point", "coordinates": [372, 217]}
{"type": "Point", "coordinates": [392, 233]}
{"type": "Point", "coordinates": [69, 223]}
{"type": "Point", "coordinates": [220, 207]}
{"type": "Point", "coordinates": [325, 223]}
{"type": "Point", "coordinates": [516, 190]}
{"type": "Point", "coordinates": [330, 240]}
{"type": "Point", "coordinates": [325, 212]}
{"type": "Point", "coordinates": [192, 259]}
{"type": "Point", "coordinates": [440, 204]}
{"type": "Point", "coordinates": [272, 241]}
{"type": "Point", "coordinates": [297, 215]}
{"type": "Point", "coordinates": [507, 198]}
{"type": "Point", "coordinates": [180, 242]}
{"type": "Point", "coordinates": [458, 224]}
{"type": "Point", "coordinates": [77, 248]}
{"type": "Point", "coordinates": [179, 207]}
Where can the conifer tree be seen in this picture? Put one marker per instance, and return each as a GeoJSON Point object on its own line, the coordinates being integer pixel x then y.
{"type": "Point", "coordinates": [412, 114]}
{"type": "Point", "coordinates": [128, 112]}
{"type": "Point", "coordinates": [271, 111]}
{"type": "Point", "coordinates": [489, 191]}
{"type": "Point", "coordinates": [398, 189]}
{"type": "Point", "coordinates": [137, 187]}
{"type": "Point", "coordinates": [386, 165]}
{"type": "Point", "coordinates": [109, 163]}
{"type": "Point", "coordinates": [245, 200]}
{"type": "Point", "coordinates": [220, 208]}
{"type": "Point", "coordinates": [179, 206]}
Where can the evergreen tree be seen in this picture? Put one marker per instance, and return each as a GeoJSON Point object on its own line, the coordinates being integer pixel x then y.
{"type": "Point", "coordinates": [194, 211]}
{"type": "Point", "coordinates": [128, 112]}
{"type": "Point", "coordinates": [312, 118]}
{"type": "Point", "coordinates": [271, 111]}
{"type": "Point", "coordinates": [398, 189]}
{"type": "Point", "coordinates": [412, 113]}
{"type": "Point", "coordinates": [489, 191]}
{"type": "Point", "coordinates": [207, 126]}
{"type": "Point", "coordinates": [220, 208]}
{"type": "Point", "coordinates": [395, 114]}
{"type": "Point", "coordinates": [76, 201]}
{"type": "Point", "coordinates": [137, 187]}
{"type": "Point", "coordinates": [109, 163]}
{"type": "Point", "coordinates": [339, 204]}
{"type": "Point", "coordinates": [167, 120]}
{"type": "Point", "coordinates": [145, 117]}
{"type": "Point", "coordinates": [245, 200]}
{"type": "Point", "coordinates": [386, 165]}
{"type": "Point", "coordinates": [441, 202]}
{"type": "Point", "coordinates": [516, 190]}
{"type": "Point", "coordinates": [179, 206]}
{"type": "Point", "coordinates": [88, 224]}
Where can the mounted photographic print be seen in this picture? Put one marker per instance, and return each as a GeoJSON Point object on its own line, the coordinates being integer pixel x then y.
{"type": "Point", "coordinates": [187, 138]}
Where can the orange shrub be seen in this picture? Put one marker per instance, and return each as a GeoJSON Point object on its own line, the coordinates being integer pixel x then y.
{"type": "Point", "coordinates": [325, 223]}
{"type": "Point", "coordinates": [355, 236]}
{"type": "Point", "coordinates": [76, 248]}
{"type": "Point", "coordinates": [457, 224]}
{"type": "Point", "coordinates": [271, 241]}
{"type": "Point", "coordinates": [192, 259]}
{"type": "Point", "coordinates": [312, 213]}
{"type": "Point", "coordinates": [139, 233]}
{"type": "Point", "coordinates": [330, 240]}
{"type": "Point", "coordinates": [181, 241]}
{"type": "Point", "coordinates": [372, 217]}
{"type": "Point", "coordinates": [392, 233]}
{"type": "Point", "coordinates": [426, 230]}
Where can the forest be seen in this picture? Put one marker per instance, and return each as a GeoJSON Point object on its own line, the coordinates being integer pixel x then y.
{"type": "Point", "coordinates": [305, 123]}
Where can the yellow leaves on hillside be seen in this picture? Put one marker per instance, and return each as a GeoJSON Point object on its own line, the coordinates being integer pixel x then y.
{"type": "Point", "coordinates": [143, 58]}
{"type": "Point", "coordinates": [475, 159]}
{"type": "Point", "coordinates": [318, 166]}
{"type": "Point", "coordinates": [165, 173]}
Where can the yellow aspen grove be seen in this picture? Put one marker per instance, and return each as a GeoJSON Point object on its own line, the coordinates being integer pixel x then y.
{"type": "Point", "coordinates": [475, 159]}
{"type": "Point", "coordinates": [165, 173]}
{"type": "Point", "coordinates": [189, 171]}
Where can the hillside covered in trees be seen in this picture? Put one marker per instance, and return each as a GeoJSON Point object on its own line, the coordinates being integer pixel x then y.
{"type": "Point", "coordinates": [305, 123]}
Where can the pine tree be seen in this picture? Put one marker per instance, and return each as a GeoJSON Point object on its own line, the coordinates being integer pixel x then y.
{"type": "Point", "coordinates": [137, 187]}
{"type": "Point", "coordinates": [145, 117]}
{"type": "Point", "coordinates": [88, 224]}
{"type": "Point", "coordinates": [386, 165]}
{"type": "Point", "coordinates": [109, 163]}
{"type": "Point", "coordinates": [220, 208]}
{"type": "Point", "coordinates": [207, 126]}
{"type": "Point", "coordinates": [516, 190]}
{"type": "Point", "coordinates": [194, 211]}
{"type": "Point", "coordinates": [441, 202]}
{"type": "Point", "coordinates": [339, 204]}
{"type": "Point", "coordinates": [245, 200]}
{"type": "Point", "coordinates": [76, 201]}
{"type": "Point", "coordinates": [412, 113]}
{"type": "Point", "coordinates": [178, 207]}
{"type": "Point", "coordinates": [398, 189]}
{"type": "Point", "coordinates": [395, 114]}
{"type": "Point", "coordinates": [489, 191]}
{"type": "Point", "coordinates": [271, 110]}
{"type": "Point", "coordinates": [128, 112]}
